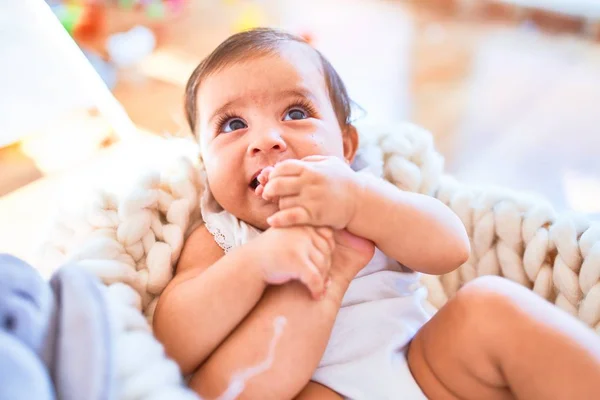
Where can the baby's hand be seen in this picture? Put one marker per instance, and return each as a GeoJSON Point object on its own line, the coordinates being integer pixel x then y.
{"type": "Point", "coordinates": [352, 253]}
{"type": "Point", "coordinates": [296, 253]}
{"type": "Point", "coordinates": [317, 191]}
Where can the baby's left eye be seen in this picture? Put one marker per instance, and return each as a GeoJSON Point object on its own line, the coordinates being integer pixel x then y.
{"type": "Point", "coordinates": [295, 114]}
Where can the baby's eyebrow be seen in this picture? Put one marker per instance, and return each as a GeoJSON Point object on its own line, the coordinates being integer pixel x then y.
{"type": "Point", "coordinates": [223, 109]}
{"type": "Point", "coordinates": [296, 92]}
{"type": "Point", "coordinates": [299, 92]}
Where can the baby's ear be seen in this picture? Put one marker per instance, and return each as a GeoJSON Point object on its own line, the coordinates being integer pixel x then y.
{"type": "Point", "coordinates": [351, 142]}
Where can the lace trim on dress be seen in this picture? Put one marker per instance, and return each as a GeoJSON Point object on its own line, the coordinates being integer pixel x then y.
{"type": "Point", "coordinates": [219, 237]}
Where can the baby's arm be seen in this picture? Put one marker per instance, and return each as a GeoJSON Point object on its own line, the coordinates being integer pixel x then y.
{"type": "Point", "coordinates": [297, 352]}
{"type": "Point", "coordinates": [202, 305]}
{"type": "Point", "coordinates": [304, 338]}
{"type": "Point", "coordinates": [213, 293]}
{"type": "Point", "coordinates": [417, 230]}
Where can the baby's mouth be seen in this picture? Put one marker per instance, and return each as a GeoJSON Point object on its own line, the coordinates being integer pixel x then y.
{"type": "Point", "coordinates": [254, 183]}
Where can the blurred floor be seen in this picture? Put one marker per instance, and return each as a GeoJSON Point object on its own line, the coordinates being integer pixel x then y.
{"type": "Point", "coordinates": [507, 104]}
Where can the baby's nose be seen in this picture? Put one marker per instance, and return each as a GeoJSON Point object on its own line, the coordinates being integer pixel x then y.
{"type": "Point", "coordinates": [266, 142]}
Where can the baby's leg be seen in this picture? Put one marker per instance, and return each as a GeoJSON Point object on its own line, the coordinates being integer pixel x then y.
{"type": "Point", "coordinates": [315, 391]}
{"type": "Point", "coordinates": [498, 340]}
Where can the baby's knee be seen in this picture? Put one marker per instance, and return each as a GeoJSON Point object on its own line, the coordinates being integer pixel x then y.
{"type": "Point", "coordinates": [488, 302]}
{"type": "Point", "coordinates": [488, 286]}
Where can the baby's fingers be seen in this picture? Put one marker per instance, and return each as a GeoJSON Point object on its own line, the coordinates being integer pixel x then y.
{"type": "Point", "coordinates": [263, 177]}
{"type": "Point", "coordinates": [314, 281]}
{"type": "Point", "coordinates": [321, 260]}
{"type": "Point", "coordinates": [259, 190]}
{"type": "Point", "coordinates": [289, 217]}
{"type": "Point", "coordinates": [324, 240]}
{"type": "Point", "coordinates": [289, 167]}
{"type": "Point", "coordinates": [281, 187]}
{"type": "Point", "coordinates": [327, 233]}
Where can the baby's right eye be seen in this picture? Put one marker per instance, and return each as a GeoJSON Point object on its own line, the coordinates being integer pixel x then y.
{"type": "Point", "coordinates": [233, 124]}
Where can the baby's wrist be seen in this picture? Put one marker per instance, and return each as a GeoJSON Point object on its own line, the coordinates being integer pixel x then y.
{"type": "Point", "coordinates": [358, 195]}
{"type": "Point", "coordinates": [336, 289]}
{"type": "Point", "coordinates": [255, 260]}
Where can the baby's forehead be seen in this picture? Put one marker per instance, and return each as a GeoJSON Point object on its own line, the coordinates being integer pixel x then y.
{"type": "Point", "coordinates": [292, 66]}
{"type": "Point", "coordinates": [289, 58]}
{"type": "Point", "coordinates": [300, 55]}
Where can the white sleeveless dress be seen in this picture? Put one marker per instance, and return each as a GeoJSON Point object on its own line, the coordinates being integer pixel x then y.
{"type": "Point", "coordinates": [381, 312]}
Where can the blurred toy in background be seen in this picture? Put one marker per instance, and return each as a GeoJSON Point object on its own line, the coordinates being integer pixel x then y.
{"type": "Point", "coordinates": [87, 21]}
{"type": "Point", "coordinates": [92, 18]}
{"type": "Point", "coordinates": [127, 48]}
{"type": "Point", "coordinates": [79, 18]}
{"type": "Point", "coordinates": [85, 18]}
{"type": "Point", "coordinates": [155, 9]}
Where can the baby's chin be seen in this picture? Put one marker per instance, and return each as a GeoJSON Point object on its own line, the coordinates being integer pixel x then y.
{"type": "Point", "coordinates": [257, 214]}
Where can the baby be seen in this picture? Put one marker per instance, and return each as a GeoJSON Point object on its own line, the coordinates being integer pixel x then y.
{"type": "Point", "coordinates": [291, 230]}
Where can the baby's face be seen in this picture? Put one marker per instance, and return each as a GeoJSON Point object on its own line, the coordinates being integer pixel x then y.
{"type": "Point", "coordinates": [259, 112]}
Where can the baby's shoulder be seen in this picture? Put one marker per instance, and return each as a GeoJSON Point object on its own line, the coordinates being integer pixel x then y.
{"type": "Point", "coordinates": [199, 251]}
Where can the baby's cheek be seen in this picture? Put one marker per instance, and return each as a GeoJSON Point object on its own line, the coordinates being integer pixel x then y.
{"type": "Point", "coordinates": [327, 141]}
{"type": "Point", "coordinates": [223, 182]}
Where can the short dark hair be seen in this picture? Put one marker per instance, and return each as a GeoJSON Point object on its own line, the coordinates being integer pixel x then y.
{"type": "Point", "coordinates": [254, 43]}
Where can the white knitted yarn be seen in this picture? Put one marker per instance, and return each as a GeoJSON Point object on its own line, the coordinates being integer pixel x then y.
{"type": "Point", "coordinates": [522, 238]}
{"type": "Point", "coordinates": [133, 243]}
